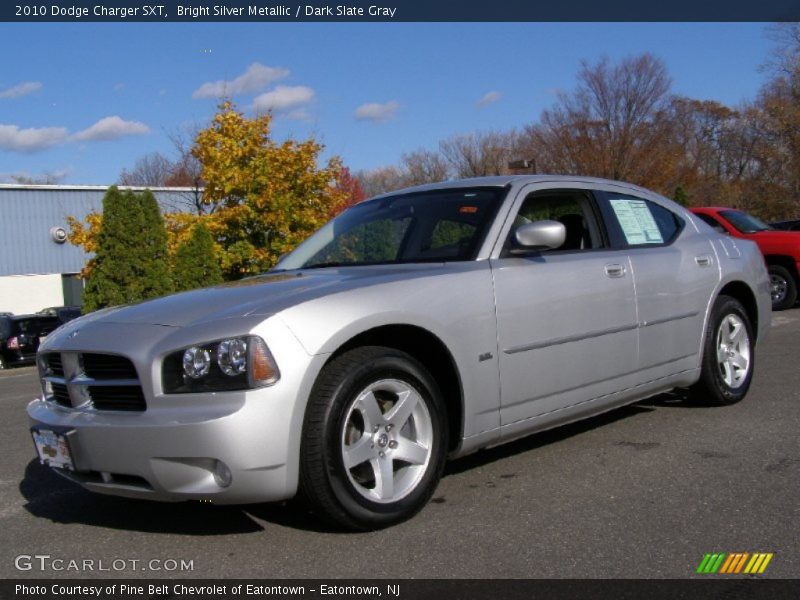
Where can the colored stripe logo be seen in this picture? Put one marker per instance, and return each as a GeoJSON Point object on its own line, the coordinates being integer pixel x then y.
{"type": "Point", "coordinates": [735, 563]}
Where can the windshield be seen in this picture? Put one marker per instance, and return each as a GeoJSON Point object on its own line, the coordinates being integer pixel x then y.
{"type": "Point", "coordinates": [437, 226]}
{"type": "Point", "coordinates": [744, 222]}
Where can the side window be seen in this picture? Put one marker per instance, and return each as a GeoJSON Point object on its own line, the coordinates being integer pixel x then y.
{"type": "Point", "coordinates": [634, 221]}
{"type": "Point", "coordinates": [573, 208]}
{"type": "Point", "coordinates": [708, 219]}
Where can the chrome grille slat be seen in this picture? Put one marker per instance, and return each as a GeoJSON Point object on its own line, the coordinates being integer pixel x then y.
{"type": "Point", "coordinates": [104, 382]}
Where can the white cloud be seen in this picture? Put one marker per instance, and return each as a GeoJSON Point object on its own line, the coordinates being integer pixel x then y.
{"type": "Point", "coordinates": [255, 78]}
{"type": "Point", "coordinates": [110, 128]}
{"type": "Point", "coordinates": [376, 112]}
{"type": "Point", "coordinates": [46, 178]}
{"type": "Point", "coordinates": [284, 97]}
{"type": "Point", "coordinates": [21, 89]}
{"type": "Point", "coordinates": [30, 140]}
{"type": "Point", "coordinates": [298, 114]}
{"type": "Point", "coordinates": [489, 98]}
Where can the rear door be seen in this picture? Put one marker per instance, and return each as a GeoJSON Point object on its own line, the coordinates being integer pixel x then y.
{"type": "Point", "coordinates": [675, 273]}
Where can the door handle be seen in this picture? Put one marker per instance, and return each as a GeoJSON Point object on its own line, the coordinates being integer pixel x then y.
{"type": "Point", "coordinates": [704, 260]}
{"type": "Point", "coordinates": [615, 271]}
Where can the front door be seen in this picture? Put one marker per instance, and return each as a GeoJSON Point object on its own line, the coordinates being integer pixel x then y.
{"type": "Point", "coordinates": [566, 318]}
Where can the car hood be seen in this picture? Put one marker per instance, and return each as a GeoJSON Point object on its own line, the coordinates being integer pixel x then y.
{"type": "Point", "coordinates": [261, 295]}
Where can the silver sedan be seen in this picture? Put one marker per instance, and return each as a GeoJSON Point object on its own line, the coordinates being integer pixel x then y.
{"type": "Point", "coordinates": [416, 326]}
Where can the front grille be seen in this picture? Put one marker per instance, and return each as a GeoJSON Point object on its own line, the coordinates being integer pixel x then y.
{"type": "Point", "coordinates": [106, 381]}
{"type": "Point", "coordinates": [55, 365]}
{"type": "Point", "coordinates": [118, 397]}
{"type": "Point", "coordinates": [61, 394]}
{"type": "Point", "coordinates": [108, 366]}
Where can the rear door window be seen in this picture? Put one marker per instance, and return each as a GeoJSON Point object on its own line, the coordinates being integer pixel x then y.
{"type": "Point", "coordinates": [636, 222]}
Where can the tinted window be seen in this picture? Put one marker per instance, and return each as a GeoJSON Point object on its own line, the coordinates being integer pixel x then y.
{"type": "Point", "coordinates": [637, 222]}
{"type": "Point", "coordinates": [572, 208]}
{"type": "Point", "coordinates": [744, 222]}
{"type": "Point", "coordinates": [711, 221]}
{"type": "Point", "coordinates": [440, 225]}
{"type": "Point", "coordinates": [5, 327]}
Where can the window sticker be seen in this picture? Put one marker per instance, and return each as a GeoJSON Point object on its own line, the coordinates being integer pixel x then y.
{"type": "Point", "coordinates": [637, 221]}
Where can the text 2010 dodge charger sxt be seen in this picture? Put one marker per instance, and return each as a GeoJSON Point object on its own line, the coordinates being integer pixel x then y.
{"type": "Point", "coordinates": [429, 322]}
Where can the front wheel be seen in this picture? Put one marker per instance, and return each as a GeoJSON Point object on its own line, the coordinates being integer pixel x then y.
{"type": "Point", "coordinates": [728, 355]}
{"type": "Point", "coordinates": [374, 439]}
{"type": "Point", "coordinates": [783, 287]}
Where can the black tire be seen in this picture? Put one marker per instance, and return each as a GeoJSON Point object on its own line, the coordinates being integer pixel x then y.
{"type": "Point", "coordinates": [712, 388]}
{"type": "Point", "coordinates": [331, 490]}
{"type": "Point", "coordinates": [783, 287]}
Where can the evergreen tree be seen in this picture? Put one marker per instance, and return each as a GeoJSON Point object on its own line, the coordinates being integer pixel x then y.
{"type": "Point", "coordinates": [196, 263]}
{"type": "Point", "coordinates": [154, 273]}
{"type": "Point", "coordinates": [130, 262]}
{"type": "Point", "coordinates": [680, 196]}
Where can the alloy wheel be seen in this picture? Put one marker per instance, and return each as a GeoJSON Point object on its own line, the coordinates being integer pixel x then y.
{"type": "Point", "coordinates": [733, 351]}
{"type": "Point", "coordinates": [387, 440]}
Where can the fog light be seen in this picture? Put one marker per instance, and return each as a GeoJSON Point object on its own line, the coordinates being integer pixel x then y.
{"type": "Point", "coordinates": [196, 362]}
{"type": "Point", "coordinates": [222, 474]}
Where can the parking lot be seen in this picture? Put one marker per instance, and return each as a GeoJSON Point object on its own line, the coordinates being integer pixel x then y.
{"type": "Point", "coordinates": [644, 491]}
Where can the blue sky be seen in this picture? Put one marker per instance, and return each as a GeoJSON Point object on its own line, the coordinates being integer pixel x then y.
{"type": "Point", "coordinates": [86, 100]}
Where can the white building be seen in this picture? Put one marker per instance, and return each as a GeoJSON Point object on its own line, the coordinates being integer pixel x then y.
{"type": "Point", "coordinates": [38, 267]}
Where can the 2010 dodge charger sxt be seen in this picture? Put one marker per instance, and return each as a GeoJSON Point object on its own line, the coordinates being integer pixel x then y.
{"type": "Point", "coordinates": [418, 325]}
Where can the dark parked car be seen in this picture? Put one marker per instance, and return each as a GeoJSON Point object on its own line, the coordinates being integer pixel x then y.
{"type": "Point", "coordinates": [790, 225]}
{"type": "Point", "coordinates": [64, 313]}
{"type": "Point", "coordinates": [21, 335]}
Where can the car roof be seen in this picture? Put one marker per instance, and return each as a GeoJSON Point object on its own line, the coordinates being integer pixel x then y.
{"type": "Point", "coordinates": [26, 317]}
{"type": "Point", "coordinates": [504, 180]}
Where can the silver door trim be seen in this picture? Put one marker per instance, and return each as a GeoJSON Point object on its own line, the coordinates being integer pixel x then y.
{"type": "Point", "coordinates": [571, 338]}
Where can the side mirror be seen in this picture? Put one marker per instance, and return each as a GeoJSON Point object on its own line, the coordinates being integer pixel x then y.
{"type": "Point", "coordinates": [540, 235]}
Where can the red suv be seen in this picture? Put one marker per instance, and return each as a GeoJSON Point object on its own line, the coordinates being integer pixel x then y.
{"type": "Point", "coordinates": [781, 249]}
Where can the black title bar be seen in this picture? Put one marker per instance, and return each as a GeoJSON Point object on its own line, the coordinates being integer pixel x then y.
{"type": "Point", "coordinates": [409, 589]}
{"type": "Point", "coordinates": [398, 10]}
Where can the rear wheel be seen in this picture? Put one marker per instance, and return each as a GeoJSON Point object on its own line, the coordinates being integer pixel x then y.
{"type": "Point", "coordinates": [374, 439]}
{"type": "Point", "coordinates": [783, 287]}
{"type": "Point", "coordinates": [728, 355]}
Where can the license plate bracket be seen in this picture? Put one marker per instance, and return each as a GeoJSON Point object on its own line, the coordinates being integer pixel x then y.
{"type": "Point", "coordinates": [53, 448]}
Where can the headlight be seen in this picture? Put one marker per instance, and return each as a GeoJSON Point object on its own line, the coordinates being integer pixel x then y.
{"type": "Point", "coordinates": [232, 357]}
{"type": "Point", "coordinates": [239, 363]}
{"type": "Point", "coordinates": [196, 362]}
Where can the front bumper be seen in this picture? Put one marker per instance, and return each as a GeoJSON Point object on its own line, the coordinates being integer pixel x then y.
{"type": "Point", "coordinates": [173, 457]}
{"type": "Point", "coordinates": [171, 450]}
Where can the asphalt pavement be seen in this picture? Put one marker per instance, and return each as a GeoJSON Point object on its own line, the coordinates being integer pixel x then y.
{"type": "Point", "coordinates": [644, 491]}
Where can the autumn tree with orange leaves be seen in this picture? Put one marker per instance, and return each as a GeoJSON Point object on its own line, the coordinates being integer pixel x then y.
{"type": "Point", "coordinates": [266, 196]}
{"type": "Point", "coordinates": [260, 199]}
